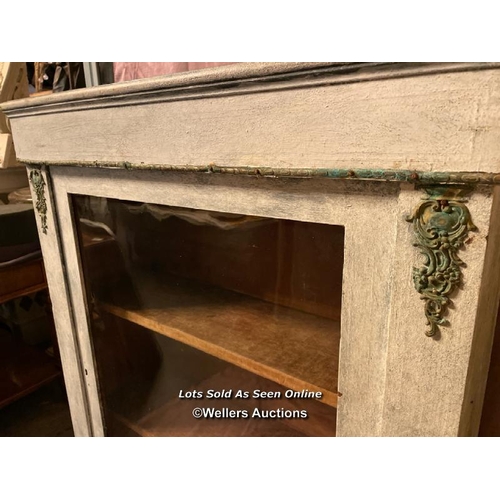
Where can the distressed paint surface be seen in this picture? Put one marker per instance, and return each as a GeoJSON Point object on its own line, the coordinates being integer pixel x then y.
{"type": "Point", "coordinates": [426, 378]}
{"type": "Point", "coordinates": [436, 122]}
{"type": "Point", "coordinates": [162, 140]}
{"type": "Point", "coordinates": [54, 263]}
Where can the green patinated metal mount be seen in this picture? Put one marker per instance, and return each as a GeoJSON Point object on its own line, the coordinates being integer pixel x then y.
{"type": "Point", "coordinates": [441, 224]}
{"type": "Point", "coordinates": [38, 184]}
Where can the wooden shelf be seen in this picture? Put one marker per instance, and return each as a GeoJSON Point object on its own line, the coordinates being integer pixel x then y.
{"type": "Point", "coordinates": [292, 348]}
{"type": "Point", "coordinates": [175, 418]}
{"type": "Point", "coordinates": [23, 369]}
{"type": "Point", "coordinates": [22, 279]}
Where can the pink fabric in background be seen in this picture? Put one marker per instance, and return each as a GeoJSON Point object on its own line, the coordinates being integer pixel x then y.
{"type": "Point", "coordinates": [124, 71]}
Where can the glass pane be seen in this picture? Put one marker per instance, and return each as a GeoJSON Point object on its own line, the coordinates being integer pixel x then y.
{"type": "Point", "coordinates": [207, 323]}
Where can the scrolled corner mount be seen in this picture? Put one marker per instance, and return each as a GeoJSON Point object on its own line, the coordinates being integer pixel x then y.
{"type": "Point", "coordinates": [441, 224]}
{"type": "Point", "coordinates": [38, 184]}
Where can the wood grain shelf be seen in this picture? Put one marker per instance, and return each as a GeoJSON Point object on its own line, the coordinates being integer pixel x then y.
{"type": "Point", "coordinates": [295, 349]}
{"type": "Point", "coordinates": [23, 369]}
{"type": "Point", "coordinates": [22, 279]}
{"type": "Point", "coordinates": [175, 418]}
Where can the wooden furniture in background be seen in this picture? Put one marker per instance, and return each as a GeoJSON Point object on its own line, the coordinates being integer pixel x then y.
{"type": "Point", "coordinates": [13, 85]}
{"type": "Point", "coordinates": [24, 368]}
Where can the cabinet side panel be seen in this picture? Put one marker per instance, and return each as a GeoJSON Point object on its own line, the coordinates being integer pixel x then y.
{"type": "Point", "coordinates": [49, 233]}
{"type": "Point", "coordinates": [428, 377]}
{"type": "Point", "coordinates": [490, 423]}
{"type": "Point", "coordinates": [485, 326]}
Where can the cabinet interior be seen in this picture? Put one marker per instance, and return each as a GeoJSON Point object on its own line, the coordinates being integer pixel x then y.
{"type": "Point", "coordinates": [193, 300]}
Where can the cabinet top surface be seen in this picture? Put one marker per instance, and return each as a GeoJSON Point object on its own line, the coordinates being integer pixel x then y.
{"type": "Point", "coordinates": [419, 122]}
{"type": "Point", "coordinates": [242, 74]}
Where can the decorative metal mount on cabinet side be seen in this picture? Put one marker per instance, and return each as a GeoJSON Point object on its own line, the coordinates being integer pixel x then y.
{"type": "Point", "coordinates": [38, 184]}
{"type": "Point", "coordinates": [441, 223]}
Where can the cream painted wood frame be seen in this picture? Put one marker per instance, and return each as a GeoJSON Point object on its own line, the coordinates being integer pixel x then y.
{"type": "Point", "coordinates": [351, 144]}
{"type": "Point", "coordinates": [393, 379]}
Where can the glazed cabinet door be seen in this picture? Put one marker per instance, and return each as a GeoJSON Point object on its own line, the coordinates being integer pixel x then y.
{"type": "Point", "coordinates": [196, 319]}
{"type": "Point", "coordinates": [206, 304]}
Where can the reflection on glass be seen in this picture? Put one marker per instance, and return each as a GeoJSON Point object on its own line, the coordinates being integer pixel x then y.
{"type": "Point", "coordinates": [233, 317]}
